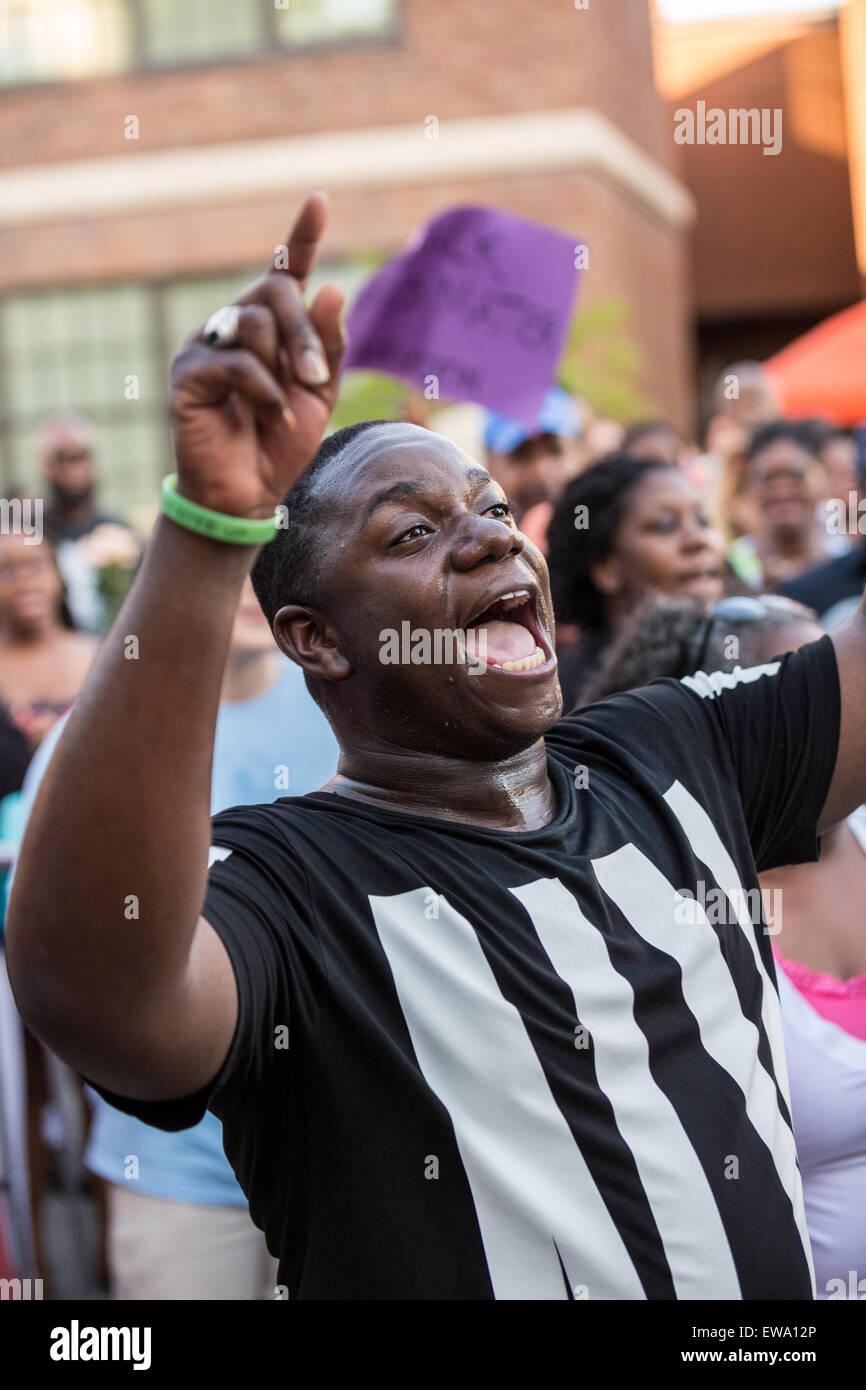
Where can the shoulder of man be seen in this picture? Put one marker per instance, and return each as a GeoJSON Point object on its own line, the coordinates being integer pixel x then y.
{"type": "Point", "coordinates": [279, 840]}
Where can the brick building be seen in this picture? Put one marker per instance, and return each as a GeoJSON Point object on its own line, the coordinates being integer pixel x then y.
{"type": "Point", "coordinates": [151, 154]}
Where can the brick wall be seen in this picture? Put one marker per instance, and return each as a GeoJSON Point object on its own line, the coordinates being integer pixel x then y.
{"type": "Point", "coordinates": [774, 233]}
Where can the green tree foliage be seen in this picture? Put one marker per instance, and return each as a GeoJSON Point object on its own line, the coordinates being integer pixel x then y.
{"type": "Point", "coordinates": [603, 364]}
{"type": "Point", "coordinates": [368, 396]}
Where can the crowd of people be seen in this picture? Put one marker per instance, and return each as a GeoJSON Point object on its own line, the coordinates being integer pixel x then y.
{"type": "Point", "coordinates": [667, 557]}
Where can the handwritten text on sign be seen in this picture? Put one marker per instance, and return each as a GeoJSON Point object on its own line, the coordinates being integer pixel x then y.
{"type": "Point", "coordinates": [481, 302]}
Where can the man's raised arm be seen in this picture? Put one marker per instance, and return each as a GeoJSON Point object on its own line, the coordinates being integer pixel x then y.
{"type": "Point", "coordinates": [109, 958]}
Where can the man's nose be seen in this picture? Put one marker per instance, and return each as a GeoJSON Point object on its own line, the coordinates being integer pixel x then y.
{"type": "Point", "coordinates": [484, 538]}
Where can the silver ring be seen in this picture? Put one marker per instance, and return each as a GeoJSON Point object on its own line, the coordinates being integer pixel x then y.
{"type": "Point", "coordinates": [221, 329]}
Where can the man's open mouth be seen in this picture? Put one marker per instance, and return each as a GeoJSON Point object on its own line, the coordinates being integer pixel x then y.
{"type": "Point", "coordinates": [513, 640]}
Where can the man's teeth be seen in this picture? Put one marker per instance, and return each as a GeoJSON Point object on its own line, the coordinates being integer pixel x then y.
{"type": "Point", "coordinates": [528, 663]}
{"type": "Point", "coordinates": [514, 599]}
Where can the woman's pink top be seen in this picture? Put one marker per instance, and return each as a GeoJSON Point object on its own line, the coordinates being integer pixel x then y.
{"type": "Point", "coordinates": [842, 1002]}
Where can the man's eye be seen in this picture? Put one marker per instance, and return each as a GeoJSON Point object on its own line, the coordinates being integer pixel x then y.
{"type": "Point", "coordinates": [413, 532]}
{"type": "Point", "coordinates": [504, 508]}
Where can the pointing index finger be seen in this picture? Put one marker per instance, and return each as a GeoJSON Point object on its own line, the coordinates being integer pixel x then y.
{"type": "Point", "coordinates": [305, 236]}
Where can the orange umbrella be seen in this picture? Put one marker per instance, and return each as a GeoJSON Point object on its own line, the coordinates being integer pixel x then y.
{"type": "Point", "coordinates": [824, 371]}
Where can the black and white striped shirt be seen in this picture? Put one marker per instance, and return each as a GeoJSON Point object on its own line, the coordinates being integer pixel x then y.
{"type": "Point", "coordinates": [544, 1065]}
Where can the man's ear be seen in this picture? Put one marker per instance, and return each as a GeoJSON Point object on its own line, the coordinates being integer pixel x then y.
{"type": "Point", "coordinates": [607, 576]}
{"type": "Point", "coordinates": [312, 641]}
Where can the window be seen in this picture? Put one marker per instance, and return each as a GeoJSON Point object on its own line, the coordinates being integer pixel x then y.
{"type": "Point", "coordinates": [325, 21]}
{"type": "Point", "coordinates": [105, 352]}
{"type": "Point", "coordinates": [87, 350]}
{"type": "Point", "coordinates": [196, 30]}
{"type": "Point", "coordinates": [51, 40]}
{"type": "Point", "coordinates": [43, 40]}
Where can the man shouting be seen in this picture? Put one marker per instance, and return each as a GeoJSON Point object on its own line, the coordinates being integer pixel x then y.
{"type": "Point", "coordinates": [465, 1019]}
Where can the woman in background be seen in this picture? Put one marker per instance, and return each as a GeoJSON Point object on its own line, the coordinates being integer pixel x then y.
{"type": "Point", "coordinates": [622, 530]}
{"type": "Point", "coordinates": [43, 663]}
{"type": "Point", "coordinates": [43, 660]}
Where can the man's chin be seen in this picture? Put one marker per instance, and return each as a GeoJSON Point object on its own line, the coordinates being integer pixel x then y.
{"type": "Point", "coordinates": [525, 702]}
{"type": "Point", "coordinates": [487, 716]}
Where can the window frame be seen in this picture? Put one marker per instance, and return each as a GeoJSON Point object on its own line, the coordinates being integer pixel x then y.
{"type": "Point", "coordinates": [156, 293]}
{"type": "Point", "coordinates": [139, 66]}
{"type": "Point", "coordinates": [162, 348]}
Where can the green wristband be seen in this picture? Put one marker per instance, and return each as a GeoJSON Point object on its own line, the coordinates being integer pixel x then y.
{"type": "Point", "coordinates": [238, 530]}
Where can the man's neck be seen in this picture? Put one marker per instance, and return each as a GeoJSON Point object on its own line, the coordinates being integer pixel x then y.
{"type": "Point", "coordinates": [510, 794]}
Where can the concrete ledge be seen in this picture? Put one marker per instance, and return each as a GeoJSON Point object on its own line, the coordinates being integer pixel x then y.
{"type": "Point", "coordinates": [575, 140]}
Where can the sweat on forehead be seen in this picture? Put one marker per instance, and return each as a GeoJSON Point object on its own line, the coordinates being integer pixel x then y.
{"type": "Point", "coordinates": [381, 449]}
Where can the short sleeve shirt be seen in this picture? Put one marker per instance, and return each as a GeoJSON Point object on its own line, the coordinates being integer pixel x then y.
{"type": "Point", "coordinates": [473, 1064]}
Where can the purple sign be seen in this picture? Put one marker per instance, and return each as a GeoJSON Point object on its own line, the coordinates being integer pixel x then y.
{"type": "Point", "coordinates": [480, 303]}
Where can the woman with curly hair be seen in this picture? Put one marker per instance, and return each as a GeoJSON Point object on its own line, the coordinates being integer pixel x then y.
{"type": "Point", "coordinates": [624, 529]}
